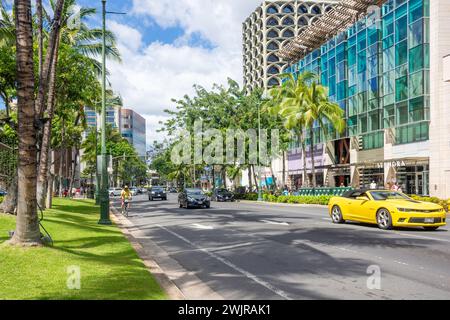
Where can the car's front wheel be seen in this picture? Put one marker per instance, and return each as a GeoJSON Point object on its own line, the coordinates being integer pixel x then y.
{"type": "Point", "coordinates": [336, 215]}
{"type": "Point", "coordinates": [384, 219]}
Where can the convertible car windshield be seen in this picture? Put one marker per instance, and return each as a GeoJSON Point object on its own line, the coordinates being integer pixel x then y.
{"type": "Point", "coordinates": [386, 195]}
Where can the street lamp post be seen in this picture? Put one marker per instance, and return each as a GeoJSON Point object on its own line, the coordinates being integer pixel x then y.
{"type": "Point", "coordinates": [104, 197]}
{"type": "Point", "coordinates": [260, 199]}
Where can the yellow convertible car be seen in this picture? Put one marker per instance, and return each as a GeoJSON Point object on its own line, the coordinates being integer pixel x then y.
{"type": "Point", "coordinates": [387, 209]}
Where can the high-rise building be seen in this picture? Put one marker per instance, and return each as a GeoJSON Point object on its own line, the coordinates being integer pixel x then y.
{"type": "Point", "coordinates": [133, 128]}
{"type": "Point", "coordinates": [112, 117]}
{"type": "Point", "coordinates": [267, 29]}
{"type": "Point", "coordinates": [383, 62]}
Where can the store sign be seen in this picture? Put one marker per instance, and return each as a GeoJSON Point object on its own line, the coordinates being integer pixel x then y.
{"type": "Point", "coordinates": [392, 164]}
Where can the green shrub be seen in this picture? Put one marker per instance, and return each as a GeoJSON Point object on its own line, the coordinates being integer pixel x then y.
{"type": "Point", "coordinates": [1, 199]}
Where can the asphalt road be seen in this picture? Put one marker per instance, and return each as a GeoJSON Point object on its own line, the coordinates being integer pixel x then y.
{"type": "Point", "coordinates": [261, 251]}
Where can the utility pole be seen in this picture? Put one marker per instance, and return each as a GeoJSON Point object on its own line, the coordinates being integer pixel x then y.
{"type": "Point", "coordinates": [260, 199]}
{"type": "Point", "coordinates": [104, 196]}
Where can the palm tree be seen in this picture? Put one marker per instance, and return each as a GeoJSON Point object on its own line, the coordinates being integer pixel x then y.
{"type": "Point", "coordinates": [86, 41]}
{"type": "Point", "coordinates": [321, 111]}
{"type": "Point", "coordinates": [27, 223]}
{"type": "Point", "coordinates": [289, 102]}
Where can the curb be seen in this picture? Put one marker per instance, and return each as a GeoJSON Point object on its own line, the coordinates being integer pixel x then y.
{"type": "Point", "coordinates": [285, 204]}
{"type": "Point", "coordinates": [169, 287]}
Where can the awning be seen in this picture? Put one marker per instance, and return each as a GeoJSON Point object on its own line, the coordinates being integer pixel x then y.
{"type": "Point", "coordinates": [342, 16]}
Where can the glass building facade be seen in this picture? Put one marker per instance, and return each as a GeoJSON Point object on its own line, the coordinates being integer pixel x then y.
{"type": "Point", "coordinates": [378, 72]}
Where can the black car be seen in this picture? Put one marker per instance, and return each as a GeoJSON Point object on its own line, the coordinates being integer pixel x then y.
{"type": "Point", "coordinates": [157, 193]}
{"type": "Point", "coordinates": [222, 195]}
{"type": "Point", "coordinates": [193, 198]}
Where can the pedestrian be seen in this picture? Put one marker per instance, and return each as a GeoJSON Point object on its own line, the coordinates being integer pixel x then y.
{"type": "Point", "coordinates": [373, 185]}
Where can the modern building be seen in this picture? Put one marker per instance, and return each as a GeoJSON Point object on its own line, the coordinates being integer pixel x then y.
{"type": "Point", "coordinates": [112, 117]}
{"type": "Point", "coordinates": [267, 29]}
{"type": "Point", "coordinates": [383, 62]}
{"type": "Point", "coordinates": [133, 128]}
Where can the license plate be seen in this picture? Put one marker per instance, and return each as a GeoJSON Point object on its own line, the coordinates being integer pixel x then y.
{"type": "Point", "coordinates": [200, 202]}
{"type": "Point", "coordinates": [429, 220]}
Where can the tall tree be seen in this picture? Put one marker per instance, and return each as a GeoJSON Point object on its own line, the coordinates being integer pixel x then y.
{"type": "Point", "coordinates": [27, 223]}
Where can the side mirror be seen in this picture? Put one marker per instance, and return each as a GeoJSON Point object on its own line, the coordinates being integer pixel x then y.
{"type": "Point", "coordinates": [362, 198]}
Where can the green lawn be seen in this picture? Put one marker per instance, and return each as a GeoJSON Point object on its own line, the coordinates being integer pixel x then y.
{"type": "Point", "coordinates": [109, 266]}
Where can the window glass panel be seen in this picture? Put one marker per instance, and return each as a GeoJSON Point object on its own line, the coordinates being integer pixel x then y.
{"type": "Point", "coordinates": [351, 53]}
{"type": "Point", "coordinates": [362, 40]}
{"type": "Point", "coordinates": [416, 84]}
{"type": "Point", "coordinates": [402, 113]}
{"type": "Point", "coordinates": [416, 33]}
{"type": "Point", "coordinates": [415, 10]}
{"type": "Point", "coordinates": [416, 59]}
{"type": "Point", "coordinates": [389, 116]}
{"type": "Point", "coordinates": [401, 88]}
{"type": "Point", "coordinates": [401, 29]}
{"type": "Point", "coordinates": [417, 109]}
{"type": "Point", "coordinates": [401, 53]}
{"type": "Point", "coordinates": [389, 59]}
{"type": "Point", "coordinates": [362, 61]}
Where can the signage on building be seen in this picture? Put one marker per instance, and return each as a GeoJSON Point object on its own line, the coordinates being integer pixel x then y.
{"type": "Point", "coordinates": [392, 164]}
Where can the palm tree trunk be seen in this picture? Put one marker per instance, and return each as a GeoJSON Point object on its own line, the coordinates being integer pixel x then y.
{"type": "Point", "coordinates": [72, 178]}
{"type": "Point", "coordinates": [39, 34]}
{"type": "Point", "coordinates": [45, 145]}
{"type": "Point", "coordinates": [9, 204]}
{"type": "Point", "coordinates": [49, 57]}
{"type": "Point", "coordinates": [255, 178]}
{"type": "Point", "coordinates": [305, 171]}
{"type": "Point", "coordinates": [250, 181]}
{"type": "Point", "coordinates": [283, 178]}
{"type": "Point", "coordinates": [313, 169]}
{"type": "Point", "coordinates": [27, 223]}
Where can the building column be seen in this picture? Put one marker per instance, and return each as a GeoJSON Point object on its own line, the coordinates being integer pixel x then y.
{"type": "Point", "coordinates": [439, 99]}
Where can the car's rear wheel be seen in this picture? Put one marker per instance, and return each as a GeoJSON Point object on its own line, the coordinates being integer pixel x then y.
{"type": "Point", "coordinates": [336, 215]}
{"type": "Point", "coordinates": [431, 228]}
{"type": "Point", "coordinates": [384, 219]}
{"type": "Point", "coordinates": [181, 205]}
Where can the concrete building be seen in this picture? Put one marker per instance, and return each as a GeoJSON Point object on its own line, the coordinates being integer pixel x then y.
{"type": "Point", "coordinates": [384, 65]}
{"type": "Point", "coordinates": [133, 128]}
{"type": "Point", "coordinates": [267, 29]}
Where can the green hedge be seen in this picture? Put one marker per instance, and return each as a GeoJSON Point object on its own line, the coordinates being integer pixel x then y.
{"type": "Point", "coordinates": [1, 199]}
{"type": "Point", "coordinates": [246, 196]}
{"type": "Point", "coordinates": [322, 200]}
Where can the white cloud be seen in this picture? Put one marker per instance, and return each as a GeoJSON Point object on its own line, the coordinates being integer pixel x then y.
{"type": "Point", "coordinates": [152, 74]}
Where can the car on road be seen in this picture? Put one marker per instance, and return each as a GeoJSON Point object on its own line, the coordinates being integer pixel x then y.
{"type": "Point", "coordinates": [157, 193]}
{"type": "Point", "coordinates": [193, 197]}
{"type": "Point", "coordinates": [387, 209]}
{"type": "Point", "coordinates": [114, 192]}
{"type": "Point", "coordinates": [134, 191]}
{"type": "Point", "coordinates": [222, 194]}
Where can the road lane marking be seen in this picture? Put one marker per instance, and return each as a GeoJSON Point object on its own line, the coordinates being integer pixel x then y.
{"type": "Point", "coordinates": [275, 222]}
{"type": "Point", "coordinates": [201, 226]}
{"type": "Point", "coordinates": [230, 264]}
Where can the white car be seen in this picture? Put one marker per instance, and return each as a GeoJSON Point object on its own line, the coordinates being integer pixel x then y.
{"type": "Point", "coordinates": [114, 192]}
{"type": "Point", "coordinates": [133, 191]}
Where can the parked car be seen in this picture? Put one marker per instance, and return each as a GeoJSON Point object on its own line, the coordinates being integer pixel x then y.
{"type": "Point", "coordinates": [157, 193]}
{"type": "Point", "coordinates": [387, 209]}
{"type": "Point", "coordinates": [114, 192]}
{"type": "Point", "coordinates": [134, 191]}
{"type": "Point", "coordinates": [3, 193]}
{"type": "Point", "coordinates": [192, 197]}
{"type": "Point", "coordinates": [222, 195]}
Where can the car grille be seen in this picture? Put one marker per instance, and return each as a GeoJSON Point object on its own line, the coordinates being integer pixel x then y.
{"type": "Point", "coordinates": [422, 220]}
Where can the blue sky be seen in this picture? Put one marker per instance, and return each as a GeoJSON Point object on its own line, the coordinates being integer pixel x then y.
{"type": "Point", "coordinates": [167, 46]}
